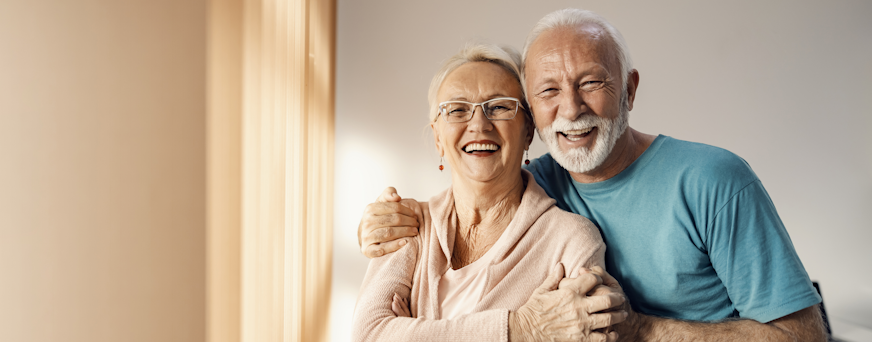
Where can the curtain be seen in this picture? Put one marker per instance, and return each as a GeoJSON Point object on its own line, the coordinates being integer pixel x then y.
{"type": "Point", "coordinates": [285, 66]}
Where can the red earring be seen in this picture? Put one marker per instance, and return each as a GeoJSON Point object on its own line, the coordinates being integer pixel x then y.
{"type": "Point", "coordinates": [526, 157]}
{"type": "Point", "coordinates": [440, 164]}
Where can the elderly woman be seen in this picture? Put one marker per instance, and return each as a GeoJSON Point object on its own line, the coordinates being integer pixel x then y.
{"type": "Point", "coordinates": [486, 244]}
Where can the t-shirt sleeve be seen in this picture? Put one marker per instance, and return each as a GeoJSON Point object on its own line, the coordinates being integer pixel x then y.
{"type": "Point", "coordinates": [752, 254]}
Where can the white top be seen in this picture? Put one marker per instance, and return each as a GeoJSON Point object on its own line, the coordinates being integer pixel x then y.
{"type": "Point", "coordinates": [460, 290]}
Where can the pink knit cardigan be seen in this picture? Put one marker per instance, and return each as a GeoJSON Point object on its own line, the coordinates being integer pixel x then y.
{"type": "Point", "coordinates": [541, 235]}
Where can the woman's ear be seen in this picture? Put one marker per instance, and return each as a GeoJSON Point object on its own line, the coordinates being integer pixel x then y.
{"type": "Point", "coordinates": [531, 127]}
{"type": "Point", "coordinates": [434, 127]}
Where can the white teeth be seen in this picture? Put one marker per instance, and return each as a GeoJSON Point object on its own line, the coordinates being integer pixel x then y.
{"type": "Point", "coordinates": [575, 134]}
{"type": "Point", "coordinates": [480, 147]}
{"type": "Point", "coordinates": [578, 131]}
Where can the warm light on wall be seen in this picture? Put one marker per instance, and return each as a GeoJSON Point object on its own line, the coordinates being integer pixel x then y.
{"type": "Point", "coordinates": [284, 54]}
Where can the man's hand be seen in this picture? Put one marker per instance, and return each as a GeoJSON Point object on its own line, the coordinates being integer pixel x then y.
{"type": "Point", "coordinates": [387, 224]}
{"type": "Point", "coordinates": [568, 313]}
{"type": "Point", "coordinates": [803, 325]}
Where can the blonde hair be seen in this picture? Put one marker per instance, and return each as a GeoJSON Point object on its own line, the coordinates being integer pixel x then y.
{"type": "Point", "coordinates": [504, 56]}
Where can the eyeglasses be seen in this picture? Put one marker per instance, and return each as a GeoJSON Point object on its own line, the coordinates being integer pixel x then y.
{"type": "Point", "coordinates": [501, 108]}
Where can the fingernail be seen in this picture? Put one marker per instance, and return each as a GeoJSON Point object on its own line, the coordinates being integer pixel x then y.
{"type": "Point", "coordinates": [402, 242]}
{"type": "Point", "coordinates": [626, 314]}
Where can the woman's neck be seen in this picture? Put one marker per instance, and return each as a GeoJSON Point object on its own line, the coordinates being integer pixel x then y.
{"type": "Point", "coordinates": [484, 210]}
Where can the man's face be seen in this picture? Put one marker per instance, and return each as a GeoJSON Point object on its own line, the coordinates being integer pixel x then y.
{"type": "Point", "coordinates": [574, 89]}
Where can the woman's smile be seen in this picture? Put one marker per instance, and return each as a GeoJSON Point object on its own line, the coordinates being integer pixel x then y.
{"type": "Point", "coordinates": [481, 148]}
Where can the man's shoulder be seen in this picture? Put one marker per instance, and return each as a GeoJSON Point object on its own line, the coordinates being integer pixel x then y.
{"type": "Point", "coordinates": [548, 174]}
{"type": "Point", "coordinates": [703, 162]}
{"type": "Point", "coordinates": [544, 164]}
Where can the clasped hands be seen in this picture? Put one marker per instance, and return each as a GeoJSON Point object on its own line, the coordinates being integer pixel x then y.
{"type": "Point", "coordinates": [581, 307]}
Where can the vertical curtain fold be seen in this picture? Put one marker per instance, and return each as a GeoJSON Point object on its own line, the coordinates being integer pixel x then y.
{"type": "Point", "coordinates": [288, 63]}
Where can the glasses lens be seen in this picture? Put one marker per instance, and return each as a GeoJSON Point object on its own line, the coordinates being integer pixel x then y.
{"type": "Point", "coordinates": [457, 111]}
{"type": "Point", "coordinates": [501, 109]}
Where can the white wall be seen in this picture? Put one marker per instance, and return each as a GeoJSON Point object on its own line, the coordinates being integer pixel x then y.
{"type": "Point", "coordinates": [784, 84]}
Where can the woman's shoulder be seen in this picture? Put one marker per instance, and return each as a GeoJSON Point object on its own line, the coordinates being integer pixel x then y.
{"type": "Point", "coordinates": [570, 225]}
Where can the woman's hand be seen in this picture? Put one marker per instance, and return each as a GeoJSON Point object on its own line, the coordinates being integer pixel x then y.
{"type": "Point", "coordinates": [387, 223]}
{"type": "Point", "coordinates": [400, 306]}
{"type": "Point", "coordinates": [568, 313]}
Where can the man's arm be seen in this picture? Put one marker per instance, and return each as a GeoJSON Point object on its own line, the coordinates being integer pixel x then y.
{"type": "Point", "coordinates": [803, 325]}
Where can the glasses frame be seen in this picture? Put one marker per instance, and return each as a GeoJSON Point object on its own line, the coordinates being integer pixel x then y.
{"type": "Point", "coordinates": [480, 104]}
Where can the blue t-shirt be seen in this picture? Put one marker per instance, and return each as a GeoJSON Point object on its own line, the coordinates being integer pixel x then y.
{"type": "Point", "coordinates": [690, 234]}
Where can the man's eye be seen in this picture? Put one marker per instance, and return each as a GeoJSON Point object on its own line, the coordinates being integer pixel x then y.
{"type": "Point", "coordinates": [549, 91]}
{"type": "Point", "coordinates": [592, 85]}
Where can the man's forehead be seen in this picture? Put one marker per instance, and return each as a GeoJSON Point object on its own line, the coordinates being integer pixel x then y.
{"type": "Point", "coordinates": [588, 40]}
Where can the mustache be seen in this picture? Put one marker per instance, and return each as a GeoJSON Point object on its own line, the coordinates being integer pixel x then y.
{"type": "Point", "coordinates": [561, 124]}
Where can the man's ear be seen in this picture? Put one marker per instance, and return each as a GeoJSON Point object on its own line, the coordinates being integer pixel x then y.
{"type": "Point", "coordinates": [434, 127]}
{"type": "Point", "coordinates": [632, 86]}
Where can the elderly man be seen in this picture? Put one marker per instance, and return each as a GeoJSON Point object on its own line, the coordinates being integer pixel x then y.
{"type": "Point", "coordinates": [692, 235]}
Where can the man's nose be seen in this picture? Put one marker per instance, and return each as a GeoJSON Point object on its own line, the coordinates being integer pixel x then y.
{"type": "Point", "coordinates": [479, 122]}
{"type": "Point", "coordinates": [572, 105]}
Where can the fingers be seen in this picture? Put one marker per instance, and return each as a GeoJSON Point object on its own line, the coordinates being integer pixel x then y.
{"type": "Point", "coordinates": [378, 217]}
{"type": "Point", "coordinates": [383, 214]}
{"type": "Point", "coordinates": [600, 303]}
{"type": "Point", "coordinates": [553, 279]}
{"type": "Point", "coordinates": [608, 280]}
{"type": "Point", "coordinates": [400, 306]}
{"type": "Point", "coordinates": [379, 209]}
{"type": "Point", "coordinates": [378, 249]}
{"type": "Point", "coordinates": [582, 284]}
{"type": "Point", "coordinates": [389, 195]}
{"type": "Point", "coordinates": [396, 306]}
{"type": "Point", "coordinates": [611, 336]}
{"type": "Point", "coordinates": [387, 234]}
{"type": "Point", "coordinates": [607, 319]}
{"type": "Point", "coordinates": [601, 290]}
{"type": "Point", "coordinates": [602, 337]}
{"type": "Point", "coordinates": [578, 271]}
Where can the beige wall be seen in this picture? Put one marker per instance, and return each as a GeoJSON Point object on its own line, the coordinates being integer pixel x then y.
{"type": "Point", "coordinates": [102, 176]}
{"type": "Point", "coordinates": [784, 84]}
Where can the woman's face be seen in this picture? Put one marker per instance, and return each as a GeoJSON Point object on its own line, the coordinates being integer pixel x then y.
{"type": "Point", "coordinates": [478, 82]}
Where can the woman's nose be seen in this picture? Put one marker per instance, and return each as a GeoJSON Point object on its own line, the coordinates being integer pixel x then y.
{"type": "Point", "coordinates": [479, 122]}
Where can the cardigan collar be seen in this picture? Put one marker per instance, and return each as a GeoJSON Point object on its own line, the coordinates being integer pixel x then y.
{"type": "Point", "coordinates": [534, 202]}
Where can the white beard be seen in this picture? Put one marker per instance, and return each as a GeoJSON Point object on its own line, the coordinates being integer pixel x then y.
{"type": "Point", "coordinates": [582, 159]}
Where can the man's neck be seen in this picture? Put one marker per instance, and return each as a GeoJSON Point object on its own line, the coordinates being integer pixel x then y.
{"type": "Point", "coordinates": [627, 149]}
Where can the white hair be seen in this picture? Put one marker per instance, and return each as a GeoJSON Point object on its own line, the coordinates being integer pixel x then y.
{"type": "Point", "coordinates": [504, 56]}
{"type": "Point", "coordinates": [573, 18]}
